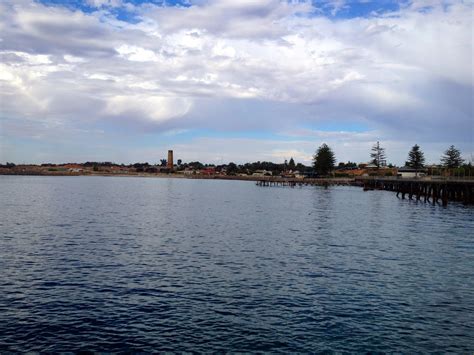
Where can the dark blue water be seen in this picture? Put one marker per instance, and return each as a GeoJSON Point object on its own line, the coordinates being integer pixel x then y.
{"type": "Point", "coordinates": [144, 264]}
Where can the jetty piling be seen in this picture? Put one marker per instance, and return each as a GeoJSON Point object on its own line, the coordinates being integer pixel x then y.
{"type": "Point", "coordinates": [431, 190]}
{"type": "Point", "coordinates": [434, 191]}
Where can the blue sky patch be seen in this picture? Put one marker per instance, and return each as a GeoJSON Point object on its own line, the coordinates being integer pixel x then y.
{"type": "Point", "coordinates": [358, 8]}
{"type": "Point", "coordinates": [328, 8]}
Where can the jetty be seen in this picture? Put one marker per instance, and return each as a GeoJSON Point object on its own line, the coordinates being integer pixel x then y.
{"type": "Point", "coordinates": [430, 190]}
{"type": "Point", "coordinates": [293, 182]}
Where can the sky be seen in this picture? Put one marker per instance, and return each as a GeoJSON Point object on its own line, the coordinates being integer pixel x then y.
{"type": "Point", "coordinates": [234, 80]}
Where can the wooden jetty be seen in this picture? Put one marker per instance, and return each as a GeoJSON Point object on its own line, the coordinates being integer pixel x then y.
{"type": "Point", "coordinates": [429, 190]}
{"type": "Point", "coordinates": [293, 182]}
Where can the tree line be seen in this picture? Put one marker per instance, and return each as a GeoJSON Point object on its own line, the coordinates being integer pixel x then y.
{"type": "Point", "coordinates": [324, 159]}
{"type": "Point", "coordinates": [323, 164]}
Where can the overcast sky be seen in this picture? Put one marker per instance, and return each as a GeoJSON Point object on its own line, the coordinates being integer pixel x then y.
{"type": "Point", "coordinates": [233, 80]}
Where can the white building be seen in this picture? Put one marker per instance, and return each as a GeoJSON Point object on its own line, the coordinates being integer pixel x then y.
{"type": "Point", "coordinates": [262, 173]}
{"type": "Point", "coordinates": [407, 172]}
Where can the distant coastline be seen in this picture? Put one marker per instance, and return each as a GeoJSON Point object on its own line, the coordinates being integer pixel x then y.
{"type": "Point", "coordinates": [322, 181]}
{"type": "Point", "coordinates": [438, 189]}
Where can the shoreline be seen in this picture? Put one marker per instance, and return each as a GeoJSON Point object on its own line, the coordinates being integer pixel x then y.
{"type": "Point", "coordinates": [432, 190]}
{"type": "Point", "coordinates": [314, 181]}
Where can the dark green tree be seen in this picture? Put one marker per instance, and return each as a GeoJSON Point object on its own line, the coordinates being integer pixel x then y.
{"type": "Point", "coordinates": [301, 167]}
{"type": "Point", "coordinates": [416, 158]}
{"type": "Point", "coordinates": [378, 155]}
{"type": "Point", "coordinates": [324, 160]}
{"type": "Point", "coordinates": [452, 158]}
{"type": "Point", "coordinates": [232, 169]}
{"type": "Point", "coordinates": [291, 164]}
{"type": "Point", "coordinates": [196, 165]}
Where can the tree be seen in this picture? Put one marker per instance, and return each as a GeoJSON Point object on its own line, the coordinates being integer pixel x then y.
{"type": "Point", "coordinates": [301, 167]}
{"type": "Point", "coordinates": [179, 162]}
{"type": "Point", "coordinates": [416, 158]}
{"type": "Point", "coordinates": [324, 160]}
{"type": "Point", "coordinates": [378, 155]}
{"type": "Point", "coordinates": [291, 164]}
{"type": "Point", "coordinates": [196, 165]}
{"type": "Point", "coordinates": [163, 162]}
{"type": "Point", "coordinates": [452, 158]}
{"type": "Point", "coordinates": [232, 169]}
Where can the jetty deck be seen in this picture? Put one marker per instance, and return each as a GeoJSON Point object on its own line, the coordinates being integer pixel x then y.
{"type": "Point", "coordinates": [293, 182]}
{"type": "Point", "coordinates": [431, 190]}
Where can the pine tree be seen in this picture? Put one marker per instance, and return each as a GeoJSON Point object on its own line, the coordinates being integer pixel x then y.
{"type": "Point", "coordinates": [291, 164]}
{"type": "Point", "coordinates": [452, 158]}
{"type": "Point", "coordinates": [416, 158]}
{"type": "Point", "coordinates": [378, 155]}
{"type": "Point", "coordinates": [324, 160]}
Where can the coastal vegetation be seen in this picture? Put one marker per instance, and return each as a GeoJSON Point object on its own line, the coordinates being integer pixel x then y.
{"type": "Point", "coordinates": [323, 165]}
{"type": "Point", "coordinates": [452, 158]}
{"type": "Point", "coordinates": [324, 160]}
{"type": "Point", "coordinates": [291, 164]}
{"type": "Point", "coordinates": [378, 155]}
{"type": "Point", "coordinates": [416, 158]}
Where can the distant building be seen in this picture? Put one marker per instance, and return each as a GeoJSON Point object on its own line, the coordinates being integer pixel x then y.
{"type": "Point", "coordinates": [262, 173]}
{"type": "Point", "coordinates": [407, 172]}
{"type": "Point", "coordinates": [299, 174]}
{"type": "Point", "coordinates": [169, 163]}
{"type": "Point", "coordinates": [371, 166]}
{"type": "Point", "coordinates": [208, 171]}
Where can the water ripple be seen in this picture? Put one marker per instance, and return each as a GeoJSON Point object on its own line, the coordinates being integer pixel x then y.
{"type": "Point", "coordinates": [147, 265]}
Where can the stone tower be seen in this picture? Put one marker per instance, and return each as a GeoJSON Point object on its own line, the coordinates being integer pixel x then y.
{"type": "Point", "coordinates": [170, 160]}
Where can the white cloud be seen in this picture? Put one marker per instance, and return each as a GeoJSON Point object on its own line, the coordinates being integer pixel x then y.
{"type": "Point", "coordinates": [73, 59]}
{"type": "Point", "coordinates": [137, 54]}
{"type": "Point", "coordinates": [409, 71]}
{"type": "Point", "coordinates": [104, 3]}
{"type": "Point", "coordinates": [147, 107]}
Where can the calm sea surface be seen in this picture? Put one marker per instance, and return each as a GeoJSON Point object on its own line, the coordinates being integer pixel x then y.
{"type": "Point", "coordinates": [145, 264]}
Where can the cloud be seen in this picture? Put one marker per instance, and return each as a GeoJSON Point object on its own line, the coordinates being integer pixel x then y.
{"type": "Point", "coordinates": [237, 19]}
{"type": "Point", "coordinates": [153, 108]}
{"type": "Point", "coordinates": [267, 66]}
{"type": "Point", "coordinates": [104, 3]}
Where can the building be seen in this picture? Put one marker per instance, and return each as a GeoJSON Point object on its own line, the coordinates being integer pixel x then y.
{"type": "Point", "coordinates": [262, 173]}
{"type": "Point", "coordinates": [208, 171]}
{"type": "Point", "coordinates": [407, 172]}
{"type": "Point", "coordinates": [169, 163]}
